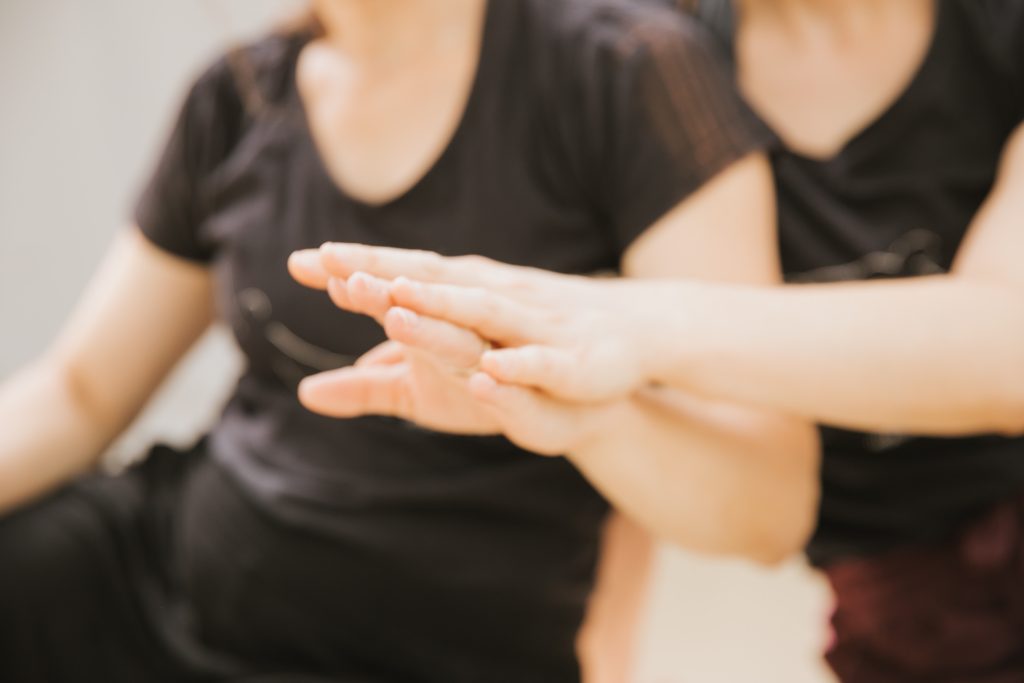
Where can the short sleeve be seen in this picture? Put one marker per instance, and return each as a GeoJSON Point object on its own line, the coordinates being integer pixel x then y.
{"type": "Point", "coordinates": [1017, 56]}
{"type": "Point", "coordinates": [999, 28]}
{"type": "Point", "coordinates": [173, 204]}
{"type": "Point", "coordinates": [664, 117]}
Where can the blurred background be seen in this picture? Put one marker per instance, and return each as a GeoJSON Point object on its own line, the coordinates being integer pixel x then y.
{"type": "Point", "coordinates": [89, 90]}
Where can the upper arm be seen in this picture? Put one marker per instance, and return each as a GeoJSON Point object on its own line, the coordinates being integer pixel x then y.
{"type": "Point", "coordinates": [684, 185]}
{"type": "Point", "coordinates": [143, 309]}
{"type": "Point", "coordinates": [725, 231]}
{"type": "Point", "coordinates": [994, 245]}
{"type": "Point", "coordinates": [608, 636]}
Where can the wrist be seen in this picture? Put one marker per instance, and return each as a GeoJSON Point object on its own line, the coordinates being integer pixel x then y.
{"type": "Point", "coordinates": [663, 333]}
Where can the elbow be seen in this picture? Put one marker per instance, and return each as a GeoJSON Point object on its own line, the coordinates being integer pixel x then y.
{"type": "Point", "coordinates": [82, 394]}
{"type": "Point", "coordinates": [781, 524]}
{"type": "Point", "coordinates": [772, 548]}
{"type": "Point", "coordinates": [771, 528]}
{"type": "Point", "coordinates": [1012, 422]}
{"type": "Point", "coordinates": [1009, 405]}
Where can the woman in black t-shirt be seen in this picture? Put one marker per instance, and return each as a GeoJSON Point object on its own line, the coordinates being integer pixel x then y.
{"type": "Point", "coordinates": [902, 162]}
{"type": "Point", "coordinates": [292, 546]}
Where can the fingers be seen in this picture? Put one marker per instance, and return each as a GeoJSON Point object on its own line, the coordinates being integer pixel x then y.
{"type": "Point", "coordinates": [543, 367]}
{"type": "Point", "coordinates": [454, 346]}
{"type": "Point", "coordinates": [531, 419]}
{"type": "Point", "coordinates": [361, 293]}
{"type": "Point", "coordinates": [385, 353]}
{"type": "Point", "coordinates": [306, 268]}
{"type": "Point", "coordinates": [354, 392]}
{"type": "Point", "coordinates": [490, 315]}
{"type": "Point", "coordinates": [344, 259]}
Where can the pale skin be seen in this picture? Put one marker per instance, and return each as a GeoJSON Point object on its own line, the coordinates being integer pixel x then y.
{"type": "Point", "coordinates": [145, 308]}
{"type": "Point", "coordinates": [941, 355]}
{"type": "Point", "coordinates": [740, 481]}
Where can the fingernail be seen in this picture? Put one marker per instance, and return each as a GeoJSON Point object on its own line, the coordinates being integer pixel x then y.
{"type": "Point", "coordinates": [406, 317]}
{"type": "Point", "coordinates": [359, 280]}
{"type": "Point", "coordinates": [411, 287]}
{"type": "Point", "coordinates": [337, 252]}
{"type": "Point", "coordinates": [340, 248]}
{"type": "Point", "coordinates": [369, 283]}
{"type": "Point", "coordinates": [336, 286]}
{"type": "Point", "coordinates": [493, 362]}
{"type": "Point", "coordinates": [308, 259]}
{"type": "Point", "coordinates": [483, 385]}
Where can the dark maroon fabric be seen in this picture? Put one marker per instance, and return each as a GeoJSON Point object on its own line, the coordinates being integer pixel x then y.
{"type": "Point", "coordinates": [951, 612]}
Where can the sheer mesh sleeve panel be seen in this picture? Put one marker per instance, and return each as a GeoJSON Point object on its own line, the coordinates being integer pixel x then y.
{"type": "Point", "coordinates": [172, 207]}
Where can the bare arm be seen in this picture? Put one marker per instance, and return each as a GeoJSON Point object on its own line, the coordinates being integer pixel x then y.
{"type": "Point", "coordinates": [938, 355]}
{"type": "Point", "coordinates": [748, 476]}
{"type": "Point", "coordinates": [607, 640]}
{"type": "Point", "coordinates": [140, 314]}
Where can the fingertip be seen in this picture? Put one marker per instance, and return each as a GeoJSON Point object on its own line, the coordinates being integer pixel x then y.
{"type": "Point", "coordinates": [305, 259]}
{"type": "Point", "coordinates": [336, 250]}
{"type": "Point", "coordinates": [368, 284]}
{"type": "Point", "coordinates": [337, 289]}
{"type": "Point", "coordinates": [335, 258]}
{"type": "Point", "coordinates": [304, 266]}
{"type": "Point", "coordinates": [358, 280]}
{"type": "Point", "coordinates": [405, 290]}
{"type": "Point", "coordinates": [399, 323]}
{"type": "Point", "coordinates": [498, 363]}
{"type": "Point", "coordinates": [308, 392]}
{"type": "Point", "coordinates": [483, 386]}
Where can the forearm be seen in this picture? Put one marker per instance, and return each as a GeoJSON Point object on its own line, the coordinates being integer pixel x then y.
{"type": "Point", "coordinates": [939, 355]}
{"type": "Point", "coordinates": [47, 434]}
{"type": "Point", "coordinates": [710, 477]}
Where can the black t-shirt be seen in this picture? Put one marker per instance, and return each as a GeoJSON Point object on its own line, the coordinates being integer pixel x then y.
{"type": "Point", "coordinates": [896, 201]}
{"type": "Point", "coordinates": [556, 164]}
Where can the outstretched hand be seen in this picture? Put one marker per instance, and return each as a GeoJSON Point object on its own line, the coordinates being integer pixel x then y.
{"type": "Point", "coordinates": [572, 337]}
{"type": "Point", "coordinates": [428, 373]}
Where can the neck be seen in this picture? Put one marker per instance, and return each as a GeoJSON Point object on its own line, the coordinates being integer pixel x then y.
{"type": "Point", "coordinates": [386, 30]}
{"type": "Point", "coordinates": [841, 18]}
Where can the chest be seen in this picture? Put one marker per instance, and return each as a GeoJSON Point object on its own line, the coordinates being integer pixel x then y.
{"type": "Point", "coordinates": [819, 86]}
{"type": "Point", "coordinates": [275, 195]}
{"type": "Point", "coordinates": [379, 131]}
{"type": "Point", "coordinates": [890, 147]}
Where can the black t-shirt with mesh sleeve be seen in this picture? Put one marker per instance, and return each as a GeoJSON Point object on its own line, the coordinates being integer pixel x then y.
{"type": "Point", "coordinates": [896, 201]}
{"type": "Point", "coordinates": [557, 163]}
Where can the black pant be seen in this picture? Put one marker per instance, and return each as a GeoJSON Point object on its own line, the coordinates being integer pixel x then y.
{"type": "Point", "coordinates": [110, 580]}
{"type": "Point", "coordinates": [91, 587]}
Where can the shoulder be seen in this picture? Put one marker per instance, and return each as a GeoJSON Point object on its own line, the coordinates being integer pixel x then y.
{"type": "Point", "coordinates": [997, 24]}
{"type": "Point", "coordinates": [244, 78]}
{"type": "Point", "coordinates": [995, 29]}
{"type": "Point", "coordinates": [991, 13]}
{"type": "Point", "coordinates": [593, 50]}
{"type": "Point", "coordinates": [618, 28]}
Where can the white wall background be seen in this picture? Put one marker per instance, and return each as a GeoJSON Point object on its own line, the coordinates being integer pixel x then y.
{"type": "Point", "coordinates": [87, 90]}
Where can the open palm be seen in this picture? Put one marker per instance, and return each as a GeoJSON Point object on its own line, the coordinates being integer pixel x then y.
{"type": "Point", "coordinates": [399, 381]}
